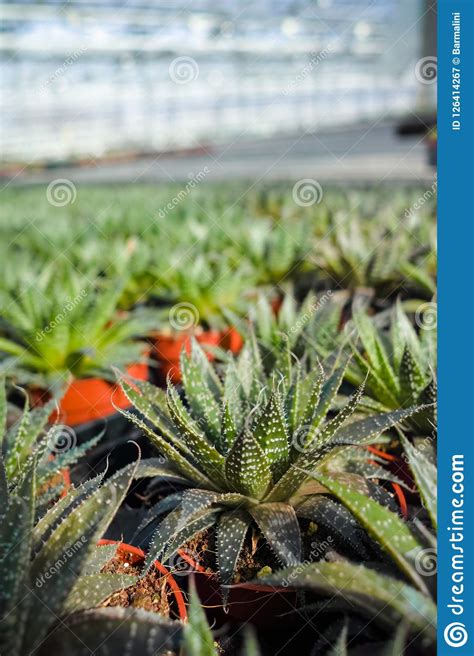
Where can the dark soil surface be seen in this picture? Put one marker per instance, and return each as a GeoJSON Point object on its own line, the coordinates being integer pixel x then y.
{"type": "Point", "coordinates": [149, 593]}
{"type": "Point", "coordinates": [256, 558]}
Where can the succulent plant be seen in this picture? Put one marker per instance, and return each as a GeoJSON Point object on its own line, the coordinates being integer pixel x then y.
{"type": "Point", "coordinates": [398, 364]}
{"type": "Point", "coordinates": [197, 636]}
{"type": "Point", "coordinates": [275, 250]}
{"type": "Point", "coordinates": [386, 256]}
{"type": "Point", "coordinates": [347, 636]}
{"type": "Point", "coordinates": [51, 569]}
{"type": "Point", "coordinates": [206, 286]}
{"type": "Point", "coordinates": [398, 588]}
{"type": "Point", "coordinates": [30, 438]}
{"type": "Point", "coordinates": [311, 327]}
{"type": "Point", "coordinates": [64, 326]}
{"type": "Point", "coordinates": [243, 448]}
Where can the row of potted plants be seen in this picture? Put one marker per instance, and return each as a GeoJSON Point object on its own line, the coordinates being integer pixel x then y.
{"type": "Point", "coordinates": [384, 240]}
{"type": "Point", "coordinates": [292, 433]}
{"type": "Point", "coordinates": [252, 455]}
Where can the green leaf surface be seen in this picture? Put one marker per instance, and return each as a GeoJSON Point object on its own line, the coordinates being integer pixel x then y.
{"type": "Point", "coordinates": [247, 468]}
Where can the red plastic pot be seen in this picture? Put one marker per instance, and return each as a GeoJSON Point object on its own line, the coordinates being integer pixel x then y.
{"type": "Point", "coordinates": [397, 466]}
{"type": "Point", "coordinates": [89, 399]}
{"type": "Point", "coordinates": [256, 604]}
{"type": "Point", "coordinates": [167, 349]}
{"type": "Point", "coordinates": [137, 558]}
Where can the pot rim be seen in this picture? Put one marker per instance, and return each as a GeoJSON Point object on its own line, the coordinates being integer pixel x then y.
{"type": "Point", "coordinates": [136, 551]}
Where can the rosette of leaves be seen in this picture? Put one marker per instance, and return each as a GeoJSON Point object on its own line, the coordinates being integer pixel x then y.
{"type": "Point", "coordinates": [398, 364]}
{"type": "Point", "coordinates": [275, 249]}
{"type": "Point", "coordinates": [383, 256]}
{"type": "Point", "coordinates": [244, 447]}
{"type": "Point", "coordinates": [65, 326]}
{"type": "Point", "coordinates": [207, 285]}
{"type": "Point", "coordinates": [395, 589]}
{"type": "Point", "coordinates": [311, 328]}
{"type": "Point", "coordinates": [51, 579]}
{"type": "Point", "coordinates": [30, 438]}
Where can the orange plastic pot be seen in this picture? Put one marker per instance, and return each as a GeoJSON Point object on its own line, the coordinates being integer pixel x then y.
{"type": "Point", "coordinates": [256, 604]}
{"type": "Point", "coordinates": [89, 399]}
{"type": "Point", "coordinates": [167, 350]}
{"type": "Point", "coordinates": [66, 479]}
{"type": "Point", "coordinates": [232, 340]}
{"type": "Point", "coordinates": [137, 558]}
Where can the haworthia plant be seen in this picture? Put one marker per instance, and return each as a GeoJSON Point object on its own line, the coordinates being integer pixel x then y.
{"type": "Point", "coordinates": [365, 590]}
{"type": "Point", "coordinates": [197, 635]}
{"type": "Point", "coordinates": [377, 255]}
{"type": "Point", "coordinates": [399, 365]}
{"type": "Point", "coordinates": [51, 569]}
{"type": "Point", "coordinates": [195, 285]}
{"type": "Point", "coordinates": [106, 631]}
{"type": "Point", "coordinates": [426, 478]}
{"type": "Point", "coordinates": [382, 596]}
{"type": "Point", "coordinates": [309, 327]}
{"type": "Point", "coordinates": [246, 446]}
{"type": "Point", "coordinates": [64, 326]}
{"type": "Point", "coordinates": [30, 438]}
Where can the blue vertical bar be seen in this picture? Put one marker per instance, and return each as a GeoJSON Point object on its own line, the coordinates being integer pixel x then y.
{"type": "Point", "coordinates": [456, 327]}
